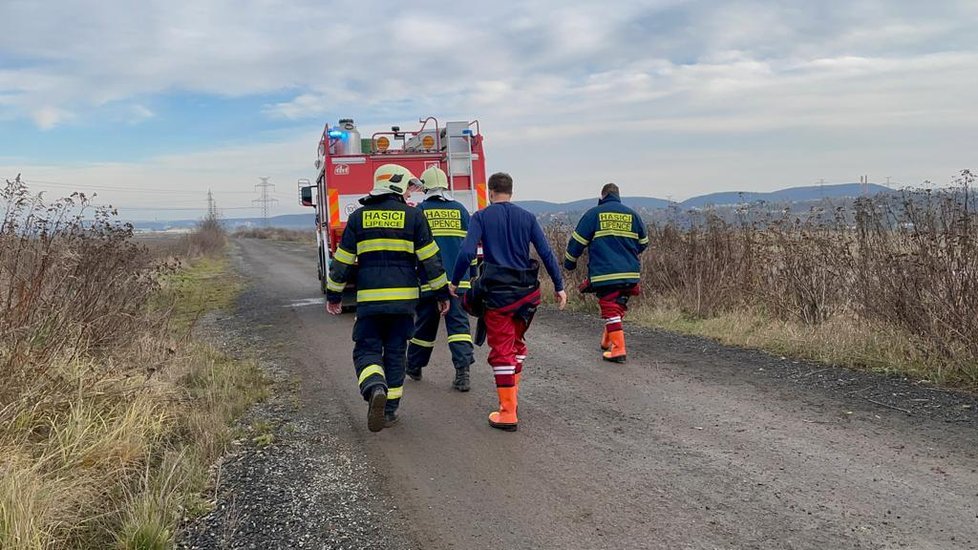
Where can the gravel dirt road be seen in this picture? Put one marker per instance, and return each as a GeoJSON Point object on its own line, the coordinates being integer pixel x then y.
{"type": "Point", "coordinates": [689, 445]}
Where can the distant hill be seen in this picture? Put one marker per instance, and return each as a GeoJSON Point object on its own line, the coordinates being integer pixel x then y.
{"type": "Point", "coordinates": [544, 207]}
{"type": "Point", "coordinates": [792, 194]}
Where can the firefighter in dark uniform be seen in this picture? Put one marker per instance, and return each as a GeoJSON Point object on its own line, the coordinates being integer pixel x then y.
{"type": "Point", "coordinates": [382, 246]}
{"type": "Point", "coordinates": [449, 221]}
{"type": "Point", "coordinates": [615, 236]}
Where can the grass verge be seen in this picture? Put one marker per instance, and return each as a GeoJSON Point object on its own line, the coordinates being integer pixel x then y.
{"type": "Point", "coordinates": [101, 453]}
{"type": "Point", "coordinates": [840, 341]}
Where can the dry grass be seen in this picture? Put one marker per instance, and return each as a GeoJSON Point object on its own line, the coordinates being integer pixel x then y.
{"type": "Point", "coordinates": [110, 415]}
{"type": "Point", "coordinates": [890, 284]}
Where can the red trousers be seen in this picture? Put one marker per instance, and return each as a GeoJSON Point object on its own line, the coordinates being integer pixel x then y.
{"type": "Point", "coordinates": [614, 304]}
{"type": "Point", "coordinates": [506, 334]}
{"type": "Point", "coordinates": [507, 347]}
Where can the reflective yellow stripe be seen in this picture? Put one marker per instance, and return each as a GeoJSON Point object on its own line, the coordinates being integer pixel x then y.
{"type": "Point", "coordinates": [615, 276]}
{"type": "Point", "coordinates": [333, 285]}
{"type": "Point", "coordinates": [422, 343]}
{"type": "Point", "coordinates": [370, 371]}
{"type": "Point", "coordinates": [344, 257]}
{"type": "Point", "coordinates": [427, 251]}
{"type": "Point", "coordinates": [644, 240]}
{"type": "Point", "coordinates": [460, 338]}
{"type": "Point", "coordinates": [381, 294]}
{"type": "Point", "coordinates": [385, 245]}
{"type": "Point", "coordinates": [395, 393]}
{"type": "Point", "coordinates": [475, 261]}
{"type": "Point", "coordinates": [569, 257]}
{"type": "Point", "coordinates": [579, 238]}
{"type": "Point", "coordinates": [448, 233]}
{"type": "Point", "coordinates": [439, 282]}
{"type": "Point", "coordinates": [614, 233]}
{"type": "Point", "coordinates": [465, 285]}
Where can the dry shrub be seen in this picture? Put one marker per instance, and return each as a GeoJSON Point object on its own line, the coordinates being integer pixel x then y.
{"type": "Point", "coordinates": [107, 421]}
{"type": "Point", "coordinates": [208, 239]}
{"type": "Point", "coordinates": [905, 264]}
{"type": "Point", "coordinates": [71, 282]}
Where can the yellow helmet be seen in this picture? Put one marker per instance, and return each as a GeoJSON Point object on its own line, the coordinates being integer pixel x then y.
{"type": "Point", "coordinates": [393, 178]}
{"type": "Point", "coordinates": [434, 178]}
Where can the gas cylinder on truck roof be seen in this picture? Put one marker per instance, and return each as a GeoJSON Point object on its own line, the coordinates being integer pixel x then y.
{"type": "Point", "coordinates": [345, 138]}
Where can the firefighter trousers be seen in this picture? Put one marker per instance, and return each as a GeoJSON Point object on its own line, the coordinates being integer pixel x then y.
{"type": "Point", "coordinates": [379, 354]}
{"type": "Point", "coordinates": [426, 331]}
{"type": "Point", "coordinates": [506, 333]}
{"type": "Point", "coordinates": [613, 303]}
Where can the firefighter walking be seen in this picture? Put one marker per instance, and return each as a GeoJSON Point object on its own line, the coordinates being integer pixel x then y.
{"type": "Point", "coordinates": [382, 246]}
{"type": "Point", "coordinates": [615, 236]}
{"type": "Point", "coordinates": [506, 294]}
{"type": "Point", "coordinates": [449, 221]}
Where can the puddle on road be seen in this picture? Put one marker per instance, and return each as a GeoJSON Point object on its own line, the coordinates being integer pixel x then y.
{"type": "Point", "coordinates": [306, 302]}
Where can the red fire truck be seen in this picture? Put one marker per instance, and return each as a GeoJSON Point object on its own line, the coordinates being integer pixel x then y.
{"type": "Point", "coordinates": [346, 164]}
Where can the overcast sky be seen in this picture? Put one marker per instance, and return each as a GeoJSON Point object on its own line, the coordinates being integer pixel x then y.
{"type": "Point", "coordinates": [151, 103]}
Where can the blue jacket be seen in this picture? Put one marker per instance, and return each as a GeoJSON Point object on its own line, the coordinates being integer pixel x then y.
{"type": "Point", "coordinates": [506, 231]}
{"type": "Point", "coordinates": [616, 236]}
{"type": "Point", "coordinates": [382, 245]}
{"type": "Point", "coordinates": [449, 223]}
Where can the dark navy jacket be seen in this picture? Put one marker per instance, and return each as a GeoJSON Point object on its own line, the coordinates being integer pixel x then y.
{"type": "Point", "coordinates": [449, 223]}
{"type": "Point", "coordinates": [382, 246]}
{"type": "Point", "coordinates": [505, 232]}
{"type": "Point", "coordinates": [615, 235]}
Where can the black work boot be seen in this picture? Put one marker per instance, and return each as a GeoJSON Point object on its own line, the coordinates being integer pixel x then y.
{"type": "Point", "coordinates": [375, 408]}
{"type": "Point", "coordinates": [461, 382]}
{"type": "Point", "coordinates": [413, 373]}
{"type": "Point", "coordinates": [390, 419]}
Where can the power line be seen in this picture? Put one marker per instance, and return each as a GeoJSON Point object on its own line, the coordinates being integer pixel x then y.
{"type": "Point", "coordinates": [211, 205]}
{"type": "Point", "coordinates": [265, 201]}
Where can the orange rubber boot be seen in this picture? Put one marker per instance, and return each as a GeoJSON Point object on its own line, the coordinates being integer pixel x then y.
{"type": "Point", "coordinates": [617, 352]}
{"type": "Point", "coordinates": [505, 417]}
{"type": "Point", "coordinates": [605, 340]}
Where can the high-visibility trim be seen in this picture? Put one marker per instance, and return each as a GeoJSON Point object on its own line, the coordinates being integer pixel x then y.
{"type": "Point", "coordinates": [383, 294]}
{"type": "Point", "coordinates": [460, 338]}
{"type": "Point", "coordinates": [579, 238]}
{"type": "Point", "coordinates": [615, 233]}
{"type": "Point", "coordinates": [370, 371]}
{"type": "Point", "coordinates": [569, 257]}
{"type": "Point", "coordinates": [385, 245]}
{"type": "Point", "coordinates": [644, 240]}
{"type": "Point", "coordinates": [345, 257]}
{"type": "Point", "coordinates": [439, 282]}
{"type": "Point", "coordinates": [483, 195]}
{"type": "Point", "coordinates": [427, 251]}
{"type": "Point", "coordinates": [465, 285]}
{"type": "Point", "coordinates": [395, 393]}
{"type": "Point", "coordinates": [448, 233]}
{"type": "Point", "coordinates": [333, 198]}
{"type": "Point", "coordinates": [615, 277]}
{"type": "Point", "coordinates": [333, 285]}
{"type": "Point", "coordinates": [422, 343]}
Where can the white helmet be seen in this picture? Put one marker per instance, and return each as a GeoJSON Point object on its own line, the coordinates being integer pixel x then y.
{"type": "Point", "coordinates": [434, 178]}
{"type": "Point", "coordinates": [393, 178]}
